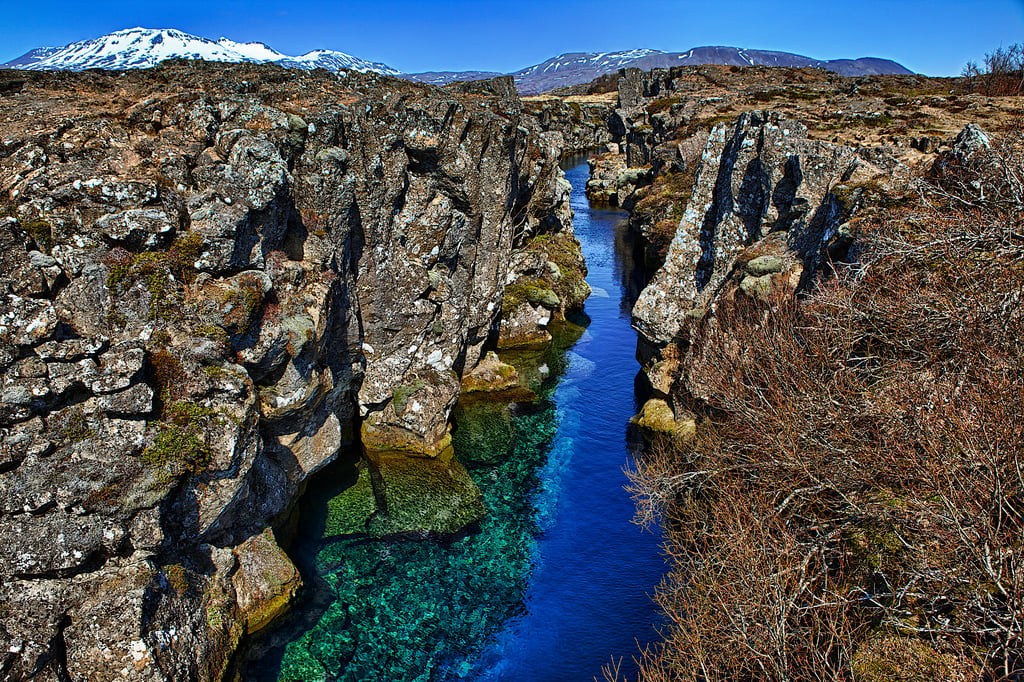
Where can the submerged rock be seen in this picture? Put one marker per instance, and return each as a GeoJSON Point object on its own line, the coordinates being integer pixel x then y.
{"type": "Point", "coordinates": [419, 495]}
{"type": "Point", "coordinates": [349, 511]}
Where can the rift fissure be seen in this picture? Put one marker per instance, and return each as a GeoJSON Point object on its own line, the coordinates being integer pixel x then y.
{"type": "Point", "coordinates": [246, 307]}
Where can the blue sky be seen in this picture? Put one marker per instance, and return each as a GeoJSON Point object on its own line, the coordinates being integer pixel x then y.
{"type": "Point", "coordinates": [935, 37]}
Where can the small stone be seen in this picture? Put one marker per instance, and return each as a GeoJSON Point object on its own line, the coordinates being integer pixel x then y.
{"type": "Point", "coordinates": [764, 265]}
{"type": "Point", "coordinates": [757, 287]}
{"type": "Point", "coordinates": [657, 417]}
{"type": "Point", "coordinates": [490, 375]}
{"type": "Point", "coordinates": [41, 260]}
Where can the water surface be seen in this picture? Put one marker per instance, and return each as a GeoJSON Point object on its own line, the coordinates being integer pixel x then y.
{"type": "Point", "coordinates": [593, 569]}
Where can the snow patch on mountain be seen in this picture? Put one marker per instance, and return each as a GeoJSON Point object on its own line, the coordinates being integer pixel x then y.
{"type": "Point", "coordinates": [577, 61]}
{"type": "Point", "coordinates": [140, 48]}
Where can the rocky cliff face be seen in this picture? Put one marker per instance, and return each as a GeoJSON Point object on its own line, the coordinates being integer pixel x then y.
{"type": "Point", "coordinates": [761, 181]}
{"type": "Point", "coordinates": [216, 280]}
{"type": "Point", "coordinates": [584, 123]}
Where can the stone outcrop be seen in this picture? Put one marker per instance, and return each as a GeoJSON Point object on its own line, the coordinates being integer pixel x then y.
{"type": "Point", "coordinates": [760, 179]}
{"type": "Point", "coordinates": [769, 208]}
{"type": "Point", "coordinates": [546, 280]}
{"type": "Point", "coordinates": [490, 375]}
{"type": "Point", "coordinates": [216, 280]}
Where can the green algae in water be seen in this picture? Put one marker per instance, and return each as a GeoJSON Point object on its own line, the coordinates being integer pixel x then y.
{"type": "Point", "coordinates": [422, 610]}
{"type": "Point", "coordinates": [349, 511]}
{"type": "Point", "coordinates": [422, 494]}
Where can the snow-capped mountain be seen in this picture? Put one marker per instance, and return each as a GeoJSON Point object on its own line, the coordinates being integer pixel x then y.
{"type": "Point", "coordinates": [575, 61]}
{"type": "Point", "coordinates": [574, 67]}
{"type": "Point", "coordinates": [140, 48]}
{"type": "Point", "coordinates": [335, 61]}
{"type": "Point", "coordinates": [30, 57]}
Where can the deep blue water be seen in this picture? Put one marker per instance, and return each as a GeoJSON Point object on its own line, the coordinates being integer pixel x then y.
{"type": "Point", "coordinates": [554, 583]}
{"type": "Point", "coordinates": [594, 570]}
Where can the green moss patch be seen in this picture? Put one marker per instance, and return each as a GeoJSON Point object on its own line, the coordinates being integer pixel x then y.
{"type": "Point", "coordinates": [76, 427]}
{"type": "Point", "coordinates": [158, 271]}
{"type": "Point", "coordinates": [565, 289]}
{"type": "Point", "coordinates": [400, 396]}
{"type": "Point", "coordinates": [663, 104]}
{"type": "Point", "coordinates": [177, 450]}
{"type": "Point", "coordinates": [535, 291]}
{"type": "Point", "coordinates": [240, 303]}
{"type": "Point", "coordinates": [41, 233]}
{"type": "Point", "coordinates": [181, 444]}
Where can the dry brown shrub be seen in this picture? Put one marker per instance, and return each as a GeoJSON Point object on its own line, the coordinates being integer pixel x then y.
{"type": "Point", "coordinates": [858, 476]}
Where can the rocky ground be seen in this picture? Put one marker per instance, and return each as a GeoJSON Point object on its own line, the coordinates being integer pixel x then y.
{"type": "Point", "coordinates": [218, 279]}
{"type": "Point", "coordinates": [663, 117]}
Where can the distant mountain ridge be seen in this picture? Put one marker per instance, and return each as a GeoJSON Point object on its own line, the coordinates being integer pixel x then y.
{"type": "Point", "coordinates": [445, 77]}
{"type": "Point", "coordinates": [575, 68]}
{"type": "Point", "coordinates": [137, 48]}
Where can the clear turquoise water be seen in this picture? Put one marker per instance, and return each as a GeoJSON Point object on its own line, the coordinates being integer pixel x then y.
{"type": "Point", "coordinates": [554, 582]}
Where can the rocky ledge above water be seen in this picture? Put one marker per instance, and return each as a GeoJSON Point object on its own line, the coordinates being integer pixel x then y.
{"type": "Point", "coordinates": [216, 280]}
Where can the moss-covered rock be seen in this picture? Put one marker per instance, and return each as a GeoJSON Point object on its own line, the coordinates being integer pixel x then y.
{"type": "Point", "coordinates": [567, 268]}
{"type": "Point", "coordinates": [525, 327]}
{"type": "Point", "coordinates": [535, 291]}
{"type": "Point", "coordinates": [265, 582]}
{"type": "Point", "coordinates": [657, 418]}
{"type": "Point", "coordinates": [490, 375]}
{"type": "Point", "coordinates": [757, 287]}
{"type": "Point", "coordinates": [765, 265]}
{"type": "Point", "coordinates": [422, 495]}
{"type": "Point", "coordinates": [398, 440]}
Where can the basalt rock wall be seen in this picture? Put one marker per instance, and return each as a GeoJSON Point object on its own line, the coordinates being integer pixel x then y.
{"type": "Point", "coordinates": [216, 280]}
{"type": "Point", "coordinates": [583, 125]}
